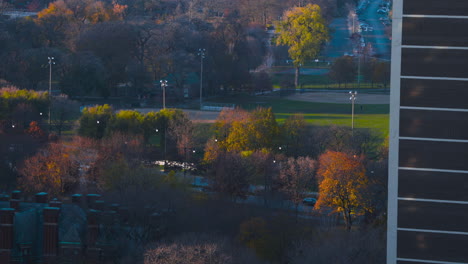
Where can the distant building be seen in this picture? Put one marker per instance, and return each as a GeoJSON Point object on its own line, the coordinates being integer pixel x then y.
{"type": "Point", "coordinates": [51, 232]}
{"type": "Point", "coordinates": [428, 159]}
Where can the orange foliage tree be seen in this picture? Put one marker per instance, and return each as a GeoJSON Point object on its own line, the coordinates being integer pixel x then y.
{"type": "Point", "coordinates": [343, 184]}
{"type": "Point", "coordinates": [51, 170]}
{"type": "Point", "coordinates": [35, 130]}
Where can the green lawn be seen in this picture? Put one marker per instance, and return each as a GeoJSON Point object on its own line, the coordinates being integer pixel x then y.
{"type": "Point", "coordinates": [278, 78]}
{"type": "Point", "coordinates": [322, 114]}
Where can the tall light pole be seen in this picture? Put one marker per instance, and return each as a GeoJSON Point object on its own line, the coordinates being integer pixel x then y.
{"type": "Point", "coordinates": [163, 86]}
{"type": "Point", "coordinates": [201, 53]}
{"type": "Point", "coordinates": [186, 158]}
{"type": "Point", "coordinates": [352, 98]}
{"type": "Point", "coordinates": [354, 18]}
{"type": "Point", "coordinates": [51, 61]}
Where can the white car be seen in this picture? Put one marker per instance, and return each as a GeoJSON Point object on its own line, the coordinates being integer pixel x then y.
{"type": "Point", "coordinates": [381, 11]}
{"type": "Point", "coordinates": [309, 201]}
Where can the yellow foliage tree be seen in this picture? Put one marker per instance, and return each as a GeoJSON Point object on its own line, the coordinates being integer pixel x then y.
{"type": "Point", "coordinates": [304, 30]}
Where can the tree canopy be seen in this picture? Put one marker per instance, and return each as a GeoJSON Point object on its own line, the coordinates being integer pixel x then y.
{"type": "Point", "coordinates": [304, 30]}
{"type": "Point", "coordinates": [342, 184]}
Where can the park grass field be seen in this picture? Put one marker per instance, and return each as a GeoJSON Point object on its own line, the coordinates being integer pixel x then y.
{"type": "Point", "coordinates": [372, 116]}
{"type": "Point", "coordinates": [319, 81]}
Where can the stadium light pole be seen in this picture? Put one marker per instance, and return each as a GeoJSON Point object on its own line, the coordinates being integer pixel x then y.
{"type": "Point", "coordinates": [163, 86]}
{"type": "Point", "coordinates": [201, 53]}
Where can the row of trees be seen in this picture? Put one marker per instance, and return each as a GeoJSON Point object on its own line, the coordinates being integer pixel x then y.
{"type": "Point", "coordinates": [153, 40]}
{"type": "Point", "coordinates": [344, 70]}
{"type": "Point", "coordinates": [341, 178]}
{"type": "Point", "coordinates": [249, 148]}
{"type": "Point", "coordinates": [143, 51]}
{"type": "Point", "coordinates": [171, 127]}
{"type": "Point", "coordinates": [348, 182]}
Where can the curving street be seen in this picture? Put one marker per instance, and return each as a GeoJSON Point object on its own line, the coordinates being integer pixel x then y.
{"type": "Point", "coordinates": [377, 38]}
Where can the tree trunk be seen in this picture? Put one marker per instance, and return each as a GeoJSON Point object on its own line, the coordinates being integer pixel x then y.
{"type": "Point", "coordinates": [296, 78]}
{"type": "Point", "coordinates": [347, 219]}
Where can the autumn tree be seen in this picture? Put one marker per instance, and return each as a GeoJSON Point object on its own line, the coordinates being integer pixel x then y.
{"type": "Point", "coordinates": [343, 184]}
{"type": "Point", "coordinates": [211, 151]}
{"type": "Point", "coordinates": [249, 131]}
{"type": "Point", "coordinates": [225, 121]}
{"type": "Point", "coordinates": [297, 178]}
{"type": "Point", "coordinates": [35, 131]}
{"type": "Point", "coordinates": [51, 170]}
{"type": "Point", "coordinates": [304, 30]}
{"type": "Point", "coordinates": [263, 130]}
{"type": "Point", "coordinates": [126, 121]}
{"type": "Point", "coordinates": [94, 120]}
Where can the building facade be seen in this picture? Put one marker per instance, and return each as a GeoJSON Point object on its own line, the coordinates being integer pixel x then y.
{"type": "Point", "coordinates": [428, 158]}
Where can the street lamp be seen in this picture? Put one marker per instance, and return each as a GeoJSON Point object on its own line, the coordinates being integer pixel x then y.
{"type": "Point", "coordinates": [185, 162]}
{"type": "Point", "coordinates": [201, 53]}
{"type": "Point", "coordinates": [352, 98]}
{"type": "Point", "coordinates": [163, 86]}
{"type": "Point", "coordinates": [51, 62]}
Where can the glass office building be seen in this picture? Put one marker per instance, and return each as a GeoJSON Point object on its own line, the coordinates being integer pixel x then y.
{"type": "Point", "coordinates": [428, 180]}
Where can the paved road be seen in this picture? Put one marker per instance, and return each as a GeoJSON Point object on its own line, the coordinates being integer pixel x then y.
{"type": "Point", "coordinates": [19, 14]}
{"type": "Point", "coordinates": [340, 42]}
{"type": "Point", "coordinates": [200, 182]}
{"type": "Point", "coordinates": [341, 98]}
{"type": "Point", "coordinates": [380, 42]}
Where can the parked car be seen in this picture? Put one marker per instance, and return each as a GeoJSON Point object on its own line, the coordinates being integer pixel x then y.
{"type": "Point", "coordinates": [309, 201]}
{"type": "Point", "coordinates": [381, 11]}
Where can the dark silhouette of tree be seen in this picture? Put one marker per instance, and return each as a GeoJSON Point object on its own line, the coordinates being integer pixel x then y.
{"type": "Point", "coordinates": [229, 175]}
{"type": "Point", "coordinates": [198, 249]}
{"type": "Point", "coordinates": [294, 135]}
{"type": "Point", "coordinates": [297, 178]}
{"type": "Point", "coordinates": [343, 70]}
